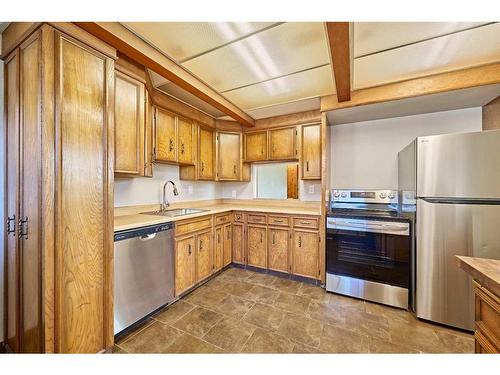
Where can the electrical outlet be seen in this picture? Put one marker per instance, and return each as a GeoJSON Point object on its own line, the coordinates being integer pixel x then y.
{"type": "Point", "coordinates": [311, 189]}
{"type": "Point", "coordinates": [233, 193]}
{"type": "Point", "coordinates": [190, 189]}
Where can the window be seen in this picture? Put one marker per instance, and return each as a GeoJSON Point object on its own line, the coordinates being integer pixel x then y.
{"type": "Point", "coordinates": [277, 181]}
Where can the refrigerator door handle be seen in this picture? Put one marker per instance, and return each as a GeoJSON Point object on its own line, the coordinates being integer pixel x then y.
{"type": "Point", "coordinates": [453, 200]}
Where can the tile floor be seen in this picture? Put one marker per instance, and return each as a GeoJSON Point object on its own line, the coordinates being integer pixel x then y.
{"type": "Point", "coordinates": [240, 311]}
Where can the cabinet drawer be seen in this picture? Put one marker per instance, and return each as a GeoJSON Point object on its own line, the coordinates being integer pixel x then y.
{"type": "Point", "coordinates": [222, 219]}
{"type": "Point", "coordinates": [306, 222]}
{"type": "Point", "coordinates": [256, 219]}
{"type": "Point", "coordinates": [193, 225]}
{"type": "Point", "coordinates": [238, 217]}
{"type": "Point", "coordinates": [279, 220]}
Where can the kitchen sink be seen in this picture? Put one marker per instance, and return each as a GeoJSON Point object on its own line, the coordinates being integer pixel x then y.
{"type": "Point", "coordinates": [175, 212]}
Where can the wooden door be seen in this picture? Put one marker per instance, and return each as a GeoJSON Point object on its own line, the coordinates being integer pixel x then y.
{"type": "Point", "coordinates": [185, 276]}
{"type": "Point", "coordinates": [219, 248]}
{"type": "Point", "coordinates": [11, 90]}
{"type": "Point", "coordinates": [238, 243]}
{"type": "Point", "coordinates": [283, 144]}
{"type": "Point", "coordinates": [305, 253]}
{"type": "Point", "coordinates": [311, 152]}
{"type": "Point", "coordinates": [186, 132]}
{"type": "Point", "coordinates": [30, 215]}
{"type": "Point", "coordinates": [129, 125]}
{"type": "Point", "coordinates": [84, 198]}
{"type": "Point", "coordinates": [203, 255]}
{"type": "Point", "coordinates": [165, 149]}
{"type": "Point", "coordinates": [279, 247]}
{"type": "Point", "coordinates": [257, 246]}
{"type": "Point", "coordinates": [256, 146]}
{"type": "Point", "coordinates": [206, 154]}
{"type": "Point", "coordinates": [228, 244]}
{"type": "Point", "coordinates": [229, 160]}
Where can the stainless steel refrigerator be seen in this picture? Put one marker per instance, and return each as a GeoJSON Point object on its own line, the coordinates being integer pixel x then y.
{"type": "Point", "coordinates": [455, 181]}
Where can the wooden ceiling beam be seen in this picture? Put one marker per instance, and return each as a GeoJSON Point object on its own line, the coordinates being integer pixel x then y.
{"type": "Point", "coordinates": [339, 48]}
{"type": "Point", "coordinates": [432, 84]}
{"type": "Point", "coordinates": [137, 49]}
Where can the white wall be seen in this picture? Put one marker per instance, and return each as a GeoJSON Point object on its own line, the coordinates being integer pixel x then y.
{"type": "Point", "coordinates": [364, 154]}
{"type": "Point", "coordinates": [2, 270]}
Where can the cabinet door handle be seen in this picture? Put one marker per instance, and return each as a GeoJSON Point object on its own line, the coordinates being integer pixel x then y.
{"type": "Point", "coordinates": [202, 166]}
{"type": "Point", "coordinates": [23, 228]}
{"type": "Point", "coordinates": [261, 237]}
{"type": "Point", "coordinates": [189, 249]}
{"type": "Point", "coordinates": [228, 235]}
{"type": "Point", "coordinates": [201, 244]}
{"type": "Point", "coordinates": [171, 145]}
{"type": "Point", "coordinates": [307, 166]}
{"type": "Point", "coordinates": [262, 149]}
{"type": "Point", "coordinates": [234, 169]}
{"type": "Point", "coordinates": [274, 238]}
{"type": "Point", "coordinates": [11, 220]}
{"type": "Point", "coordinates": [182, 148]}
{"type": "Point", "coordinates": [300, 241]}
{"type": "Point", "coordinates": [274, 148]}
{"type": "Point", "coordinates": [218, 238]}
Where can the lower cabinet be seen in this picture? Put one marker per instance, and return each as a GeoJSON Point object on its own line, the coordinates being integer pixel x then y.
{"type": "Point", "coordinates": [203, 255]}
{"type": "Point", "coordinates": [238, 243]}
{"type": "Point", "coordinates": [228, 245]}
{"type": "Point", "coordinates": [257, 246]}
{"type": "Point", "coordinates": [185, 249]}
{"type": "Point", "coordinates": [279, 248]}
{"type": "Point", "coordinates": [305, 253]}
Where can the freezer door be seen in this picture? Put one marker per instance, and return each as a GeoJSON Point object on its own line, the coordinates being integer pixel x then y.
{"type": "Point", "coordinates": [459, 165]}
{"type": "Point", "coordinates": [444, 291]}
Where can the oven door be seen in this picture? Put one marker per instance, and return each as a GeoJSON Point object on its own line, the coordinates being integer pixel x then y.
{"type": "Point", "coordinates": [377, 251]}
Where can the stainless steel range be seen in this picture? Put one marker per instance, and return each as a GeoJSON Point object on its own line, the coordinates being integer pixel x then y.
{"type": "Point", "coordinates": [369, 246]}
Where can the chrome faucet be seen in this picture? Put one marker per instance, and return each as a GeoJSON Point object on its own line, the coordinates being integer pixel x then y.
{"type": "Point", "coordinates": [164, 203]}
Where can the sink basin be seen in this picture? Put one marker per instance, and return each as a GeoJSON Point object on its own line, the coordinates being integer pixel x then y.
{"type": "Point", "coordinates": [175, 212]}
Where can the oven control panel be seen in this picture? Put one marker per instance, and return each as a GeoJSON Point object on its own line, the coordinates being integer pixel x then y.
{"type": "Point", "coordinates": [364, 196]}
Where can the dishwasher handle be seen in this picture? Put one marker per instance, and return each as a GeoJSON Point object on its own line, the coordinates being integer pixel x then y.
{"type": "Point", "coordinates": [147, 237]}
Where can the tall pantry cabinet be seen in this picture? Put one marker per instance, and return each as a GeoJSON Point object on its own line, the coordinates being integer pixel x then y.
{"type": "Point", "coordinates": [59, 192]}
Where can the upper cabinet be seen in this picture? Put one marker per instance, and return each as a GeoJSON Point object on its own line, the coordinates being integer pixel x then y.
{"type": "Point", "coordinates": [229, 156]}
{"type": "Point", "coordinates": [256, 146]}
{"type": "Point", "coordinates": [206, 154]}
{"type": "Point", "coordinates": [130, 107]}
{"type": "Point", "coordinates": [165, 145]}
{"type": "Point", "coordinates": [186, 135]}
{"type": "Point", "coordinates": [283, 144]}
{"type": "Point", "coordinates": [311, 152]}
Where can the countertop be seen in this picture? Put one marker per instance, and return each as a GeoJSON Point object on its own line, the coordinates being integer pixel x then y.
{"type": "Point", "coordinates": [137, 220]}
{"type": "Point", "coordinates": [485, 271]}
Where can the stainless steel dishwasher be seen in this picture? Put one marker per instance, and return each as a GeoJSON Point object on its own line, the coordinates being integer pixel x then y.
{"type": "Point", "coordinates": [144, 272]}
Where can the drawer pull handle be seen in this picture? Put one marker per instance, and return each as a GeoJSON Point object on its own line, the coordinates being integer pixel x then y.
{"type": "Point", "coordinates": [300, 241]}
{"type": "Point", "coordinates": [305, 222]}
{"type": "Point", "coordinates": [278, 221]}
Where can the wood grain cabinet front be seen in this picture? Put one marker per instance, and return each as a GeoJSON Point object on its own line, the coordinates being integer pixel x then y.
{"type": "Point", "coordinates": [305, 253]}
{"type": "Point", "coordinates": [238, 243]}
{"type": "Point", "coordinates": [228, 156]}
{"type": "Point", "coordinates": [256, 146]}
{"type": "Point", "coordinates": [257, 246]}
{"type": "Point", "coordinates": [206, 154]}
{"type": "Point", "coordinates": [203, 255]}
{"type": "Point", "coordinates": [186, 138]}
{"type": "Point", "coordinates": [311, 152]}
{"type": "Point", "coordinates": [228, 244]}
{"type": "Point", "coordinates": [185, 272]}
{"type": "Point", "coordinates": [129, 125]}
{"type": "Point", "coordinates": [165, 135]}
{"type": "Point", "coordinates": [279, 248]}
{"type": "Point", "coordinates": [283, 145]}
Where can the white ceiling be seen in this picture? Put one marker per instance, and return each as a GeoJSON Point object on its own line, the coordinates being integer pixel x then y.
{"type": "Point", "coordinates": [270, 67]}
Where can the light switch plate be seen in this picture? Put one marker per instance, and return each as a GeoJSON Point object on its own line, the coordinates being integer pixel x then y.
{"type": "Point", "coordinates": [311, 189]}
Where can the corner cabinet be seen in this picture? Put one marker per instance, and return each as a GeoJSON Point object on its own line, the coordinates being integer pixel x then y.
{"type": "Point", "coordinates": [59, 193]}
{"type": "Point", "coordinates": [311, 152]}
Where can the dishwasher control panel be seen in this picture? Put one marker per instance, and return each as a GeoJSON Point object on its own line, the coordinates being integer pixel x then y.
{"type": "Point", "coordinates": [144, 231]}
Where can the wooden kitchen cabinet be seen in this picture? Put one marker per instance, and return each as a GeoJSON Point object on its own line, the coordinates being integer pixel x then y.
{"type": "Point", "coordinates": [279, 248]}
{"type": "Point", "coordinates": [311, 152]}
{"type": "Point", "coordinates": [203, 255]}
{"type": "Point", "coordinates": [129, 125]}
{"type": "Point", "coordinates": [257, 246]}
{"type": "Point", "coordinates": [283, 144]}
{"type": "Point", "coordinates": [228, 244]}
{"type": "Point", "coordinates": [186, 138]}
{"type": "Point", "coordinates": [59, 261]}
{"type": "Point", "coordinates": [165, 134]}
{"type": "Point", "coordinates": [206, 154]}
{"type": "Point", "coordinates": [228, 156]}
{"type": "Point", "coordinates": [305, 253]}
{"type": "Point", "coordinates": [256, 146]}
{"type": "Point", "coordinates": [185, 272]}
{"type": "Point", "coordinates": [219, 248]}
{"type": "Point", "coordinates": [238, 242]}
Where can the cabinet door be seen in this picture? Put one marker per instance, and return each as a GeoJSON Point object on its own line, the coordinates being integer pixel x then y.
{"type": "Point", "coordinates": [257, 246]}
{"type": "Point", "coordinates": [229, 160]}
{"type": "Point", "coordinates": [305, 253]}
{"type": "Point", "coordinates": [84, 197]}
{"type": "Point", "coordinates": [129, 125]}
{"type": "Point", "coordinates": [165, 136]}
{"type": "Point", "coordinates": [206, 154]}
{"type": "Point", "coordinates": [186, 131]}
{"type": "Point", "coordinates": [283, 144]}
{"type": "Point", "coordinates": [228, 244]}
{"type": "Point", "coordinates": [279, 246]}
{"type": "Point", "coordinates": [256, 146]}
{"type": "Point", "coordinates": [219, 248]}
{"type": "Point", "coordinates": [184, 263]}
{"type": "Point", "coordinates": [311, 152]}
{"type": "Point", "coordinates": [148, 137]}
{"type": "Point", "coordinates": [203, 255]}
{"type": "Point", "coordinates": [238, 243]}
